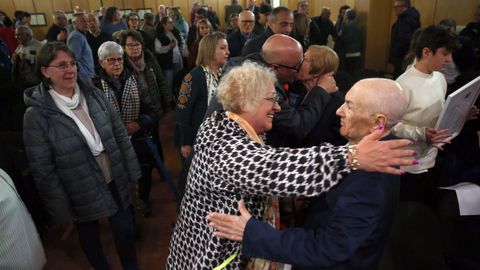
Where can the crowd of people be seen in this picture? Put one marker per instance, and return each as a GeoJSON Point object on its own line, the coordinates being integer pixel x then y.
{"type": "Point", "coordinates": [261, 127]}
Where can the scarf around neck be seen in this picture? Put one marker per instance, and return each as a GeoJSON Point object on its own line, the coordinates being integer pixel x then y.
{"type": "Point", "coordinates": [66, 105]}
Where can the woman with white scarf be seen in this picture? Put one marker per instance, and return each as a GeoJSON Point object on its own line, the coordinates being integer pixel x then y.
{"type": "Point", "coordinates": [80, 156]}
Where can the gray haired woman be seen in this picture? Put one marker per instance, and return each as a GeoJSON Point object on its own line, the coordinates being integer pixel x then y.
{"type": "Point", "coordinates": [135, 107]}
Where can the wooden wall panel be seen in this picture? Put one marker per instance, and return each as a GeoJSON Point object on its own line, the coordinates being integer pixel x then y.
{"type": "Point", "coordinates": [83, 4]}
{"type": "Point", "coordinates": [8, 7]}
{"type": "Point", "coordinates": [427, 10]}
{"type": "Point", "coordinates": [62, 5]}
{"type": "Point", "coordinates": [461, 11]}
{"type": "Point", "coordinates": [374, 22]}
{"type": "Point", "coordinates": [47, 8]}
{"type": "Point", "coordinates": [25, 5]}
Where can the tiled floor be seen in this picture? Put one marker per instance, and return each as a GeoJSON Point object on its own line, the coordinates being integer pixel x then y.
{"type": "Point", "coordinates": [152, 248]}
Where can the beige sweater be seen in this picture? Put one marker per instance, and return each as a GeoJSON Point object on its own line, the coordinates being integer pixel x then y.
{"type": "Point", "coordinates": [426, 97]}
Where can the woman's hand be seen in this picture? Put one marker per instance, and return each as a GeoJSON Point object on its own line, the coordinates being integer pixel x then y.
{"type": "Point", "coordinates": [437, 138]}
{"type": "Point", "coordinates": [328, 83]}
{"type": "Point", "coordinates": [228, 226]}
{"type": "Point", "coordinates": [133, 128]}
{"type": "Point", "coordinates": [185, 150]}
{"type": "Point", "coordinates": [383, 156]}
{"type": "Point", "coordinates": [473, 113]}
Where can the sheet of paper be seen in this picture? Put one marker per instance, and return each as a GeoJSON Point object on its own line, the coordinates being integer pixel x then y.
{"type": "Point", "coordinates": [457, 107]}
{"type": "Point", "coordinates": [468, 195]}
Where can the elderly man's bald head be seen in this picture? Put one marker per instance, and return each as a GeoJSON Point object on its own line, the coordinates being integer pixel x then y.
{"type": "Point", "coordinates": [284, 54]}
{"type": "Point", "coordinates": [246, 21]}
{"type": "Point", "coordinates": [383, 96]}
{"type": "Point", "coordinates": [369, 104]}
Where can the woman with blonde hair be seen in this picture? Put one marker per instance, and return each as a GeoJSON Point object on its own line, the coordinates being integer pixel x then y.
{"type": "Point", "coordinates": [204, 27]}
{"type": "Point", "coordinates": [196, 91]}
{"type": "Point", "coordinates": [320, 64]}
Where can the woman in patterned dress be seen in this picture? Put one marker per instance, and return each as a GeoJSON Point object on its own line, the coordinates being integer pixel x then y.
{"type": "Point", "coordinates": [232, 162]}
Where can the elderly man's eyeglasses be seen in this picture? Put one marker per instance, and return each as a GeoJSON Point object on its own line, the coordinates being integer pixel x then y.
{"type": "Point", "coordinates": [133, 45]}
{"type": "Point", "coordinates": [112, 60]}
{"type": "Point", "coordinates": [274, 99]}
{"type": "Point", "coordinates": [296, 68]}
{"type": "Point", "coordinates": [64, 65]}
{"type": "Point", "coordinates": [245, 22]}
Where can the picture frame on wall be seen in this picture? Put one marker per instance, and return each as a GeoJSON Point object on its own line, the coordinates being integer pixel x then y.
{"type": "Point", "coordinates": [69, 16]}
{"type": "Point", "coordinates": [142, 11]}
{"type": "Point", "coordinates": [125, 11]}
{"type": "Point", "coordinates": [38, 19]}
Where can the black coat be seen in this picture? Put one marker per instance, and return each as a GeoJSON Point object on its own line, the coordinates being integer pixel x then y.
{"type": "Point", "coordinates": [65, 172]}
{"type": "Point", "coordinates": [236, 41]}
{"type": "Point", "coordinates": [255, 45]}
{"type": "Point", "coordinates": [402, 31]}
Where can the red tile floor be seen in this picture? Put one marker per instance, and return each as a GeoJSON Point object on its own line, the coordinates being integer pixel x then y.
{"type": "Point", "coordinates": [155, 231]}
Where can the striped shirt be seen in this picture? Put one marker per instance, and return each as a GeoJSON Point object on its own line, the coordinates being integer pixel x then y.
{"type": "Point", "coordinates": [20, 246]}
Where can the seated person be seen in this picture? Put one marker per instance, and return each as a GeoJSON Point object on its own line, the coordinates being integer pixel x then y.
{"type": "Point", "coordinates": [347, 227]}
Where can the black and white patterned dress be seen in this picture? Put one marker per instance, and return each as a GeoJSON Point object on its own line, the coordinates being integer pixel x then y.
{"type": "Point", "coordinates": [229, 166]}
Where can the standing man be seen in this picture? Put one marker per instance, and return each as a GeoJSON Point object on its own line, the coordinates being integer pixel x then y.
{"type": "Point", "coordinates": [58, 30]}
{"type": "Point", "coordinates": [161, 13]}
{"type": "Point", "coordinates": [77, 42]}
{"type": "Point", "coordinates": [95, 37]}
{"type": "Point", "coordinates": [408, 20]}
{"type": "Point", "coordinates": [264, 12]}
{"type": "Point", "coordinates": [24, 58]}
{"type": "Point", "coordinates": [233, 8]}
{"type": "Point", "coordinates": [321, 27]}
{"type": "Point", "coordinates": [246, 22]}
{"type": "Point", "coordinates": [279, 22]}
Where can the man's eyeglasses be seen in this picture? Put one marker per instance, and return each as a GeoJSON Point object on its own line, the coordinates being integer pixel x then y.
{"type": "Point", "coordinates": [274, 99]}
{"type": "Point", "coordinates": [133, 45]}
{"type": "Point", "coordinates": [112, 61]}
{"type": "Point", "coordinates": [247, 22]}
{"type": "Point", "coordinates": [296, 68]}
{"type": "Point", "coordinates": [64, 65]}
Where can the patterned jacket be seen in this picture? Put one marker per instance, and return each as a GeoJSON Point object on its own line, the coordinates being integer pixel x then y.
{"type": "Point", "coordinates": [229, 166]}
{"type": "Point", "coordinates": [191, 106]}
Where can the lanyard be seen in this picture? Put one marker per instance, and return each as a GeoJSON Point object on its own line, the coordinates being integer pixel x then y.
{"type": "Point", "coordinates": [226, 262]}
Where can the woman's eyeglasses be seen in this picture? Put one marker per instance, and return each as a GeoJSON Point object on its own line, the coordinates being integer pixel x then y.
{"type": "Point", "coordinates": [112, 60]}
{"type": "Point", "coordinates": [133, 45]}
{"type": "Point", "coordinates": [274, 99]}
{"type": "Point", "coordinates": [62, 66]}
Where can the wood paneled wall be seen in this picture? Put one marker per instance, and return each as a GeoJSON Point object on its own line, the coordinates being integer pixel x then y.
{"type": "Point", "coordinates": [375, 17]}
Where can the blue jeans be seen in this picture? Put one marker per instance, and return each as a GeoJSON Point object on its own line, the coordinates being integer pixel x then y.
{"type": "Point", "coordinates": [123, 229]}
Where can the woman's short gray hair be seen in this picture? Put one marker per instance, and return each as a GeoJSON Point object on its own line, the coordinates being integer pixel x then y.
{"type": "Point", "coordinates": [242, 88]}
{"type": "Point", "coordinates": [107, 48]}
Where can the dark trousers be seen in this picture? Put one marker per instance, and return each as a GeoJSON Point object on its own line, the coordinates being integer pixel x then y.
{"type": "Point", "coordinates": [123, 229]}
{"type": "Point", "coordinates": [146, 164]}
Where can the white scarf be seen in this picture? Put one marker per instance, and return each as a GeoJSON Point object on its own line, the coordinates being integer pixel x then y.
{"type": "Point", "coordinates": [66, 105]}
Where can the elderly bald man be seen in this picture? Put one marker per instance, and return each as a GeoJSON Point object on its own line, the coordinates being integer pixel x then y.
{"type": "Point", "coordinates": [236, 40]}
{"type": "Point", "coordinates": [346, 228]}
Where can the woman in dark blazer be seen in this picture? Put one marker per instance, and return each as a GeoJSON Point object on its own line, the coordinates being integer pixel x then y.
{"type": "Point", "coordinates": [80, 156]}
{"type": "Point", "coordinates": [196, 91]}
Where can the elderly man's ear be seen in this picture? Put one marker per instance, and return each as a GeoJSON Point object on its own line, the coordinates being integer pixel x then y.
{"type": "Point", "coordinates": [380, 122]}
